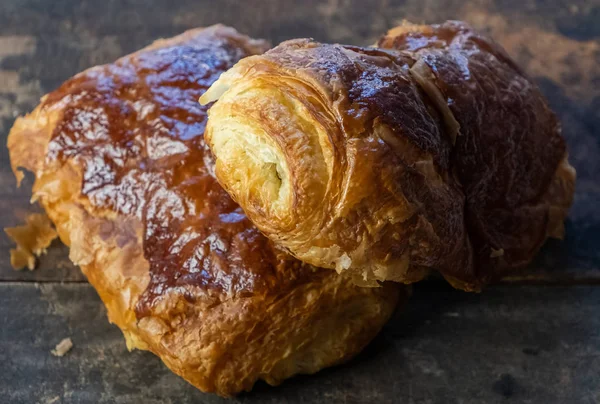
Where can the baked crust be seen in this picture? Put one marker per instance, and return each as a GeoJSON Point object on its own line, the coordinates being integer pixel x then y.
{"type": "Point", "coordinates": [122, 170]}
{"type": "Point", "coordinates": [434, 151]}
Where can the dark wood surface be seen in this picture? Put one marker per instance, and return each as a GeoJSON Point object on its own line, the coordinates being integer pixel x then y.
{"type": "Point", "coordinates": [517, 344]}
{"type": "Point", "coordinates": [538, 341]}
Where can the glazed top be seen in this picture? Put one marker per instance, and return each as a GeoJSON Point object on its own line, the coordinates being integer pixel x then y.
{"type": "Point", "coordinates": [136, 129]}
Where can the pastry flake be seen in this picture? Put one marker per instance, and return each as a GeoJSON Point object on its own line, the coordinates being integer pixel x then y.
{"type": "Point", "coordinates": [32, 239]}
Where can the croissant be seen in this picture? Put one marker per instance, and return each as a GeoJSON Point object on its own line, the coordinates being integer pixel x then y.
{"type": "Point", "coordinates": [432, 152]}
{"type": "Point", "coordinates": [123, 171]}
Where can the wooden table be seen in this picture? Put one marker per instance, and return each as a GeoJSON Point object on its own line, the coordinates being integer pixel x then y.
{"type": "Point", "coordinates": [533, 340]}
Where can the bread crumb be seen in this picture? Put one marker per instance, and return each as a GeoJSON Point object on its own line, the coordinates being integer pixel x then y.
{"type": "Point", "coordinates": [497, 253]}
{"type": "Point", "coordinates": [63, 347]}
{"type": "Point", "coordinates": [32, 239]}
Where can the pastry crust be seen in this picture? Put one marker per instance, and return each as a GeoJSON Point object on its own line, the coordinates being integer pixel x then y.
{"type": "Point", "coordinates": [433, 152]}
{"type": "Point", "coordinates": [122, 170]}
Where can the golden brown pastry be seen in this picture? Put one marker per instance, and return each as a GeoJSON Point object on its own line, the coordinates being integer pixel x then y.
{"type": "Point", "coordinates": [434, 153]}
{"type": "Point", "coordinates": [123, 171]}
{"type": "Point", "coordinates": [32, 240]}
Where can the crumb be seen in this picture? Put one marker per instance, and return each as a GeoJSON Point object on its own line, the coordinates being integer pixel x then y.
{"type": "Point", "coordinates": [53, 400]}
{"type": "Point", "coordinates": [497, 253]}
{"type": "Point", "coordinates": [32, 239]}
{"type": "Point", "coordinates": [345, 261]}
{"type": "Point", "coordinates": [63, 264]}
{"type": "Point", "coordinates": [63, 347]}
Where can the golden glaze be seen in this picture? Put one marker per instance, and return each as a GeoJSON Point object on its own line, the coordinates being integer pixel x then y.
{"type": "Point", "coordinates": [137, 132]}
{"type": "Point", "coordinates": [122, 170]}
{"type": "Point", "coordinates": [436, 152]}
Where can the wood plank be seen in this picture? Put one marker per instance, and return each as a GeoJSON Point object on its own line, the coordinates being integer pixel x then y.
{"type": "Point", "coordinates": [511, 344]}
{"type": "Point", "coordinates": [43, 43]}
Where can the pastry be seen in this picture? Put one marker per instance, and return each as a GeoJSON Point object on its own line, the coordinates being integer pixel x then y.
{"type": "Point", "coordinates": [122, 170]}
{"type": "Point", "coordinates": [432, 152]}
{"type": "Point", "coordinates": [32, 240]}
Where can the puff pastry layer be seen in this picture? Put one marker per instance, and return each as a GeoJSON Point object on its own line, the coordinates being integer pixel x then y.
{"type": "Point", "coordinates": [434, 151]}
{"type": "Point", "coordinates": [122, 170]}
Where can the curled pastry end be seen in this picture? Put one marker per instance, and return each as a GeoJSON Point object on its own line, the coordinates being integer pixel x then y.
{"type": "Point", "coordinates": [270, 148]}
{"type": "Point", "coordinates": [219, 87]}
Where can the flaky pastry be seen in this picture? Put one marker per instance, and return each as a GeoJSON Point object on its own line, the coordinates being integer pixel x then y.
{"type": "Point", "coordinates": [432, 152]}
{"type": "Point", "coordinates": [122, 170]}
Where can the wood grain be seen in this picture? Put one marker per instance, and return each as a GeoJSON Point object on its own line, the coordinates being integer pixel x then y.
{"type": "Point", "coordinates": [511, 344]}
